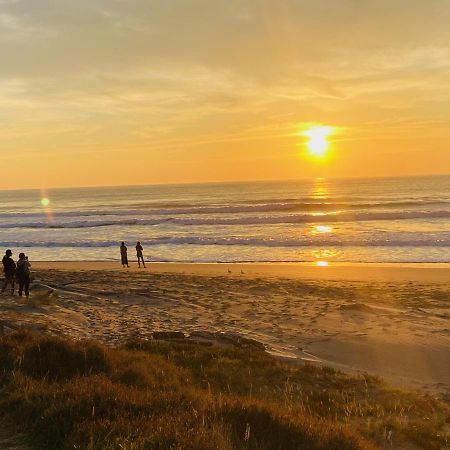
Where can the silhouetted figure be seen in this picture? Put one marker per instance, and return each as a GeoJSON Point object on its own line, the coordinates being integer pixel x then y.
{"type": "Point", "coordinates": [9, 269]}
{"type": "Point", "coordinates": [140, 256]}
{"type": "Point", "coordinates": [124, 254]}
{"type": "Point", "coordinates": [23, 274]}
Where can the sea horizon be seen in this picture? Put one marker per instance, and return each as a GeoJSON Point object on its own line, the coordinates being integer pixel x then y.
{"type": "Point", "coordinates": [201, 183]}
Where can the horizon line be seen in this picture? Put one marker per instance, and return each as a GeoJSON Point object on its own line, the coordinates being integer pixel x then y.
{"type": "Point", "coordinates": [198, 183]}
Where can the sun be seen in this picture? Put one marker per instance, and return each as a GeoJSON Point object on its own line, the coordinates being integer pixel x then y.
{"type": "Point", "coordinates": [317, 143]}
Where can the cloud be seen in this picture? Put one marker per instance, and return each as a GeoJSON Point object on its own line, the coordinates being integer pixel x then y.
{"type": "Point", "coordinates": [258, 38]}
{"type": "Point", "coordinates": [179, 73]}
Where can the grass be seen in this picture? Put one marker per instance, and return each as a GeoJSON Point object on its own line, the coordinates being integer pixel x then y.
{"type": "Point", "coordinates": [153, 395]}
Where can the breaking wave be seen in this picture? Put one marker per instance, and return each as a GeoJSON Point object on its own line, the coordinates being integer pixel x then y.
{"type": "Point", "coordinates": [310, 206]}
{"type": "Point", "coordinates": [441, 240]}
{"type": "Point", "coordinates": [344, 216]}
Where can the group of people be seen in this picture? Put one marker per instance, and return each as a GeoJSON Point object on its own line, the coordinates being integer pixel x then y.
{"type": "Point", "coordinates": [19, 272]}
{"type": "Point", "coordinates": [139, 254]}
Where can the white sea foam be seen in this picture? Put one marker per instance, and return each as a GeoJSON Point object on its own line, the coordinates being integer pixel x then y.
{"type": "Point", "coordinates": [437, 240]}
{"type": "Point", "coordinates": [347, 220]}
{"type": "Point", "coordinates": [229, 209]}
{"type": "Point", "coordinates": [244, 220]}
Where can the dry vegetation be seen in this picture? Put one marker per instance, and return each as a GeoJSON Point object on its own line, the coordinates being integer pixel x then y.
{"type": "Point", "coordinates": [154, 395]}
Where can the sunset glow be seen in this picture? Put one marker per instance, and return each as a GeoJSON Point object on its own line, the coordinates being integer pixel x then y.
{"type": "Point", "coordinates": [317, 143]}
{"type": "Point", "coordinates": [264, 182]}
{"type": "Point", "coordinates": [126, 93]}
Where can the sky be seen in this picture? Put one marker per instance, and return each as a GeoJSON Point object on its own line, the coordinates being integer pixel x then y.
{"type": "Point", "coordinates": [96, 92]}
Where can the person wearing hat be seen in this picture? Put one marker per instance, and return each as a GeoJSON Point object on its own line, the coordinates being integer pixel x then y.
{"type": "Point", "coordinates": [23, 274]}
{"type": "Point", "coordinates": [9, 269]}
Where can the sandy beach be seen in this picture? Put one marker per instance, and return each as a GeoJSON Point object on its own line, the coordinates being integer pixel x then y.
{"type": "Point", "coordinates": [387, 320]}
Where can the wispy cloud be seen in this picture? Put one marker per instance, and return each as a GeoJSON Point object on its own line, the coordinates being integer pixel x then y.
{"type": "Point", "coordinates": [160, 75]}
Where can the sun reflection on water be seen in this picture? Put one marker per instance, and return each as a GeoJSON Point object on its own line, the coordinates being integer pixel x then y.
{"type": "Point", "coordinates": [322, 263]}
{"type": "Point", "coordinates": [323, 256]}
{"type": "Point", "coordinates": [321, 229]}
{"type": "Point", "coordinates": [324, 253]}
{"type": "Point", "coordinates": [320, 189]}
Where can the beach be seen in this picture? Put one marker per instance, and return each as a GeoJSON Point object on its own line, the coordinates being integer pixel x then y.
{"type": "Point", "coordinates": [389, 320]}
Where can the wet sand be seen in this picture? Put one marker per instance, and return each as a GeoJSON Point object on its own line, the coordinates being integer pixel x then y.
{"type": "Point", "coordinates": [388, 320]}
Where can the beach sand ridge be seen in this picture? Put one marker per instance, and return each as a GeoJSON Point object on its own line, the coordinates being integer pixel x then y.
{"type": "Point", "coordinates": [397, 329]}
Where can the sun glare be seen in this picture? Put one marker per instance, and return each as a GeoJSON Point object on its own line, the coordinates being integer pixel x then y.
{"type": "Point", "coordinates": [317, 143]}
{"type": "Point", "coordinates": [322, 263]}
{"type": "Point", "coordinates": [322, 229]}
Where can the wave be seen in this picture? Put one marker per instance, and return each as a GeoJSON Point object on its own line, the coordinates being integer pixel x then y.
{"type": "Point", "coordinates": [252, 220]}
{"type": "Point", "coordinates": [416, 241]}
{"type": "Point", "coordinates": [310, 206]}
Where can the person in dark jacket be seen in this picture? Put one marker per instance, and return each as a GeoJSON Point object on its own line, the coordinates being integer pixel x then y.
{"type": "Point", "coordinates": [139, 254]}
{"type": "Point", "coordinates": [23, 274]}
{"type": "Point", "coordinates": [9, 269]}
{"type": "Point", "coordinates": [124, 254]}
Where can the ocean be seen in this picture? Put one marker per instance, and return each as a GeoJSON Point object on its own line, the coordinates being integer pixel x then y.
{"type": "Point", "coordinates": [316, 220]}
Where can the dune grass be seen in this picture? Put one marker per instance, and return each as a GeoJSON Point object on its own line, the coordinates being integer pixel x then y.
{"type": "Point", "coordinates": [153, 395]}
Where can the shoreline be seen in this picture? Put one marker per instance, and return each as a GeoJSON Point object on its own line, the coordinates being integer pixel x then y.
{"type": "Point", "coordinates": [262, 263]}
{"type": "Point", "coordinates": [428, 272]}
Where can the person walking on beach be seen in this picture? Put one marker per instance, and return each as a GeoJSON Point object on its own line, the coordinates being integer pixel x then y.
{"type": "Point", "coordinates": [23, 274]}
{"type": "Point", "coordinates": [140, 255]}
{"type": "Point", "coordinates": [9, 269]}
{"type": "Point", "coordinates": [124, 254]}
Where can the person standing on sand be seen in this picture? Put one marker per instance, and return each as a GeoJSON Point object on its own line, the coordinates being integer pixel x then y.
{"type": "Point", "coordinates": [140, 255]}
{"type": "Point", "coordinates": [23, 274]}
{"type": "Point", "coordinates": [124, 254]}
{"type": "Point", "coordinates": [9, 269]}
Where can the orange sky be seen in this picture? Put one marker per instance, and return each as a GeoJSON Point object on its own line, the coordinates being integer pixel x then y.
{"type": "Point", "coordinates": [139, 92]}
